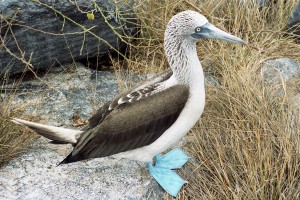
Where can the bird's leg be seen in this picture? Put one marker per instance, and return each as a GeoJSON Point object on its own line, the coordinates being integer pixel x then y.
{"type": "Point", "coordinates": [162, 172]}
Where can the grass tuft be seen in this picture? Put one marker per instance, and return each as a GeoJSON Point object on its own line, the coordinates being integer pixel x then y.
{"type": "Point", "coordinates": [246, 144]}
{"type": "Point", "coordinates": [13, 139]}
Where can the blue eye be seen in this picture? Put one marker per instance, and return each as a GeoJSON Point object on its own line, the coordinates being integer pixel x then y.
{"type": "Point", "coordinates": [198, 29]}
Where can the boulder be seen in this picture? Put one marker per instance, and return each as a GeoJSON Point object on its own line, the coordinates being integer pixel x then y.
{"type": "Point", "coordinates": [282, 69]}
{"type": "Point", "coordinates": [294, 19]}
{"type": "Point", "coordinates": [284, 75]}
{"type": "Point", "coordinates": [52, 39]}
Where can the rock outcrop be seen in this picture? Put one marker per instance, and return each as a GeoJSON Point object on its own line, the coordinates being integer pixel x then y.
{"type": "Point", "coordinates": [35, 29]}
{"type": "Point", "coordinates": [282, 69]}
{"type": "Point", "coordinates": [284, 75]}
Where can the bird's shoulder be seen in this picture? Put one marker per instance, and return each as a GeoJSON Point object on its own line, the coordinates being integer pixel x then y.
{"type": "Point", "coordinates": [129, 97]}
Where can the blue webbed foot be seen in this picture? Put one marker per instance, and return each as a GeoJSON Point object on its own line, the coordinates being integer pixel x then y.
{"type": "Point", "coordinates": [167, 179]}
{"type": "Point", "coordinates": [174, 159]}
{"type": "Point", "coordinates": [162, 172]}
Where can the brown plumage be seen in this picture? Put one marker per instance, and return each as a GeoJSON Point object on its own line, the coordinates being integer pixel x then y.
{"type": "Point", "coordinates": [112, 134]}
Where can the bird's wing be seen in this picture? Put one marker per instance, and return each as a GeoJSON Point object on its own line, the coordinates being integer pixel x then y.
{"type": "Point", "coordinates": [131, 95]}
{"type": "Point", "coordinates": [135, 123]}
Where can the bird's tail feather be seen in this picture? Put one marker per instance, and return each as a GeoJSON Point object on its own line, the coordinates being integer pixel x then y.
{"type": "Point", "coordinates": [70, 159]}
{"type": "Point", "coordinates": [57, 134]}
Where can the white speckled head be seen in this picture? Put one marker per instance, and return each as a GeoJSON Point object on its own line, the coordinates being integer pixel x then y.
{"type": "Point", "coordinates": [184, 23]}
{"type": "Point", "coordinates": [190, 26]}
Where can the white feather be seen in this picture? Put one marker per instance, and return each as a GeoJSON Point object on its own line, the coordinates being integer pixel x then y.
{"type": "Point", "coordinates": [51, 132]}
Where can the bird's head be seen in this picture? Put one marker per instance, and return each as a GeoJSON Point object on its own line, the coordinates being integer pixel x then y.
{"type": "Point", "coordinates": [192, 25]}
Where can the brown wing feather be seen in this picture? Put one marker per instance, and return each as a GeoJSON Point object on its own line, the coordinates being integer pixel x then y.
{"type": "Point", "coordinates": [122, 130]}
{"type": "Point", "coordinates": [145, 88]}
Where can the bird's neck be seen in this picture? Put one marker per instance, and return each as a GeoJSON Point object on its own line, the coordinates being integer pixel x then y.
{"type": "Point", "coordinates": [183, 60]}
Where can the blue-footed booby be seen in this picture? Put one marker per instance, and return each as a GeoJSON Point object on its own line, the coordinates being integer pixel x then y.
{"type": "Point", "coordinates": [143, 122]}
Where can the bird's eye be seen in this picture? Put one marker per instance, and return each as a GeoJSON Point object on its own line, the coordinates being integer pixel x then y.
{"type": "Point", "coordinates": [198, 29]}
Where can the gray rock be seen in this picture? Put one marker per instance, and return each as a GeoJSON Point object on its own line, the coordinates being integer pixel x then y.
{"type": "Point", "coordinates": [294, 19]}
{"type": "Point", "coordinates": [48, 37]}
{"type": "Point", "coordinates": [35, 174]}
{"type": "Point", "coordinates": [293, 93]}
{"type": "Point", "coordinates": [60, 94]}
{"type": "Point", "coordinates": [284, 76]}
{"type": "Point", "coordinates": [274, 71]}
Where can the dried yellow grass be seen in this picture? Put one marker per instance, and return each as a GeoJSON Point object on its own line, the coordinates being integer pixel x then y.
{"type": "Point", "coordinates": [13, 139]}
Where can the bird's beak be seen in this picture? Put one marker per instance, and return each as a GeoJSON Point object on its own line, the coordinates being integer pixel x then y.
{"type": "Point", "coordinates": [212, 32]}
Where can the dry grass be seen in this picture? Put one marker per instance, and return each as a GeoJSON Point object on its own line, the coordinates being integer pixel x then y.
{"type": "Point", "coordinates": [13, 139]}
{"type": "Point", "coordinates": [247, 143]}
